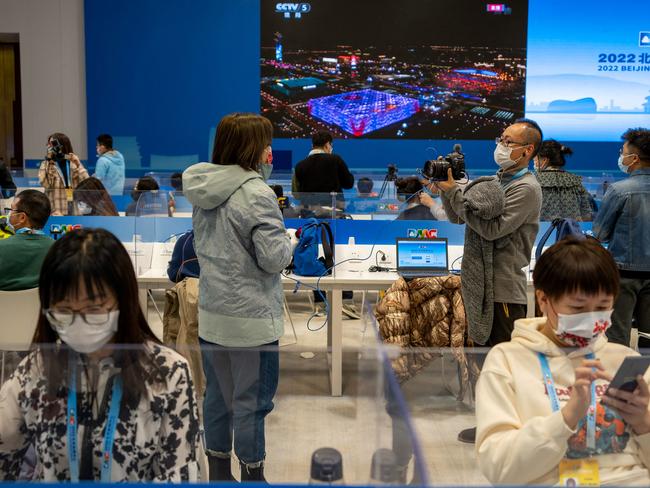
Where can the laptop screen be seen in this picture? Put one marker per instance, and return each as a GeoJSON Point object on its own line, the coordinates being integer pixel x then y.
{"type": "Point", "coordinates": [419, 253]}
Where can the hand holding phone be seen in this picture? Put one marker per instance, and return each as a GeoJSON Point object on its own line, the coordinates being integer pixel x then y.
{"type": "Point", "coordinates": [628, 393]}
{"type": "Point", "coordinates": [625, 378]}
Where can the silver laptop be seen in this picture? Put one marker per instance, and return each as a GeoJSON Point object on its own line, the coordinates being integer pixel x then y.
{"type": "Point", "coordinates": [419, 257]}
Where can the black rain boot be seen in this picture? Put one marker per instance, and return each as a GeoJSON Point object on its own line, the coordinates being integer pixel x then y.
{"type": "Point", "coordinates": [219, 469]}
{"type": "Point", "coordinates": [252, 475]}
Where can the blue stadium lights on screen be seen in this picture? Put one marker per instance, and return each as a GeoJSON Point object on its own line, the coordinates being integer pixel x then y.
{"type": "Point", "coordinates": [363, 111]}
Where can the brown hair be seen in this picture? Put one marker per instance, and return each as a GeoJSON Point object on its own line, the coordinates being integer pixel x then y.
{"type": "Point", "coordinates": [576, 265]}
{"type": "Point", "coordinates": [241, 139]}
{"type": "Point", "coordinates": [63, 140]}
{"type": "Point", "coordinates": [92, 192]}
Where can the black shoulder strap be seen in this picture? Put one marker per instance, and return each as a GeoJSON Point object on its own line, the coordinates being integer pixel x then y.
{"type": "Point", "coordinates": [547, 234]}
{"type": "Point", "coordinates": [327, 240]}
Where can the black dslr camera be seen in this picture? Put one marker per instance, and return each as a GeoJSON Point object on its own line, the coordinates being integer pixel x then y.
{"type": "Point", "coordinates": [436, 169]}
{"type": "Point", "coordinates": [57, 151]}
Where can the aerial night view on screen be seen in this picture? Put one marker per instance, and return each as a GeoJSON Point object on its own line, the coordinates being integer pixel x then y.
{"type": "Point", "coordinates": [393, 69]}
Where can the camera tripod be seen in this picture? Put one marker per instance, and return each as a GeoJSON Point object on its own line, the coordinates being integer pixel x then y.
{"type": "Point", "coordinates": [391, 176]}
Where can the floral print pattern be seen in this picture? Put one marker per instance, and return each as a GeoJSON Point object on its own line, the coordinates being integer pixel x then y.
{"type": "Point", "coordinates": [157, 440]}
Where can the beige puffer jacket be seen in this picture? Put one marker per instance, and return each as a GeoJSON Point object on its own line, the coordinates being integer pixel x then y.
{"type": "Point", "coordinates": [424, 313]}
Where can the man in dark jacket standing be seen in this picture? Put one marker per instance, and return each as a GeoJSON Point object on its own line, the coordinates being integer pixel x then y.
{"type": "Point", "coordinates": [315, 177]}
{"type": "Point", "coordinates": [322, 172]}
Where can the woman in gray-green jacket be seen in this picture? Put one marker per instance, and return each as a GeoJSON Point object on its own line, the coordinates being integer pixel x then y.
{"type": "Point", "coordinates": [242, 247]}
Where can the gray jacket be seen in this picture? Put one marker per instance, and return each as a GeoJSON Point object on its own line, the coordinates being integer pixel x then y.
{"type": "Point", "coordinates": [242, 247]}
{"type": "Point", "coordinates": [485, 199]}
{"type": "Point", "coordinates": [518, 223]}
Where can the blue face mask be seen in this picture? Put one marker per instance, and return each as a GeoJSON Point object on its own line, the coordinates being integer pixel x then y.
{"type": "Point", "coordinates": [266, 170]}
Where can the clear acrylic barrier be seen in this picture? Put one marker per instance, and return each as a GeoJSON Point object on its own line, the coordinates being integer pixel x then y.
{"type": "Point", "coordinates": [149, 245]}
{"type": "Point", "coordinates": [158, 425]}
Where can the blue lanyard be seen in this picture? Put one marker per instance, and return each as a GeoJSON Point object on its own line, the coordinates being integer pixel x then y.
{"type": "Point", "coordinates": [26, 230]}
{"type": "Point", "coordinates": [73, 421]}
{"type": "Point", "coordinates": [520, 173]}
{"type": "Point", "coordinates": [67, 169]}
{"type": "Point", "coordinates": [555, 402]}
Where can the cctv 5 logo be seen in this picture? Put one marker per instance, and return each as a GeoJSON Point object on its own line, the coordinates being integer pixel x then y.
{"type": "Point", "coordinates": [424, 233]}
{"type": "Point", "coordinates": [297, 9]}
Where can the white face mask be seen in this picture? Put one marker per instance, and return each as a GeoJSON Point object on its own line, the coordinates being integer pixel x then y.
{"type": "Point", "coordinates": [84, 208]}
{"type": "Point", "coordinates": [621, 165]}
{"type": "Point", "coordinates": [502, 156]}
{"type": "Point", "coordinates": [86, 338]}
{"type": "Point", "coordinates": [582, 329]}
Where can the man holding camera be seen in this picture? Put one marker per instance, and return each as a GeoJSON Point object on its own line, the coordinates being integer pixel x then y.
{"type": "Point", "coordinates": [60, 173]}
{"type": "Point", "coordinates": [516, 228]}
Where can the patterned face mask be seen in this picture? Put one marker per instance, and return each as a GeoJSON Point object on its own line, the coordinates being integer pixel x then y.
{"type": "Point", "coordinates": [582, 329]}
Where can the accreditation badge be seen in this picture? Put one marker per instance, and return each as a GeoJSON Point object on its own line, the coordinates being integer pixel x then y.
{"type": "Point", "coordinates": [579, 472]}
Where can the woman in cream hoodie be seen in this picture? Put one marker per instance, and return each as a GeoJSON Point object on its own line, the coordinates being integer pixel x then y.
{"type": "Point", "coordinates": [522, 438]}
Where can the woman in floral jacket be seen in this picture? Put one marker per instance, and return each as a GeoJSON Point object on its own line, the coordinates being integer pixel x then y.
{"type": "Point", "coordinates": [57, 175]}
{"type": "Point", "coordinates": [98, 398]}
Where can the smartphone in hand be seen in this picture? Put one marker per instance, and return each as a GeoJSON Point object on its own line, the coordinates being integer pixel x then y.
{"type": "Point", "coordinates": [631, 367]}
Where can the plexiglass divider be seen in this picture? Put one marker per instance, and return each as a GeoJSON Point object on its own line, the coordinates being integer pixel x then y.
{"type": "Point", "coordinates": [161, 415]}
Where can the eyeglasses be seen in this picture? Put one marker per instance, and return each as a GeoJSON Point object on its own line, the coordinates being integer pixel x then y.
{"type": "Point", "coordinates": [64, 317]}
{"type": "Point", "coordinates": [500, 140]}
{"type": "Point", "coordinates": [9, 209]}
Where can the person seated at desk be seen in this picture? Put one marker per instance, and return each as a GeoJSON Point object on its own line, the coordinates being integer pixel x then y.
{"type": "Point", "coordinates": [408, 191]}
{"type": "Point", "coordinates": [98, 375]}
{"type": "Point", "coordinates": [534, 393]}
{"type": "Point", "coordinates": [142, 186]}
{"type": "Point", "coordinates": [21, 255]}
{"type": "Point", "coordinates": [184, 263]}
{"type": "Point", "coordinates": [7, 185]}
{"type": "Point", "coordinates": [92, 199]}
{"type": "Point", "coordinates": [364, 188]}
{"type": "Point", "coordinates": [288, 212]}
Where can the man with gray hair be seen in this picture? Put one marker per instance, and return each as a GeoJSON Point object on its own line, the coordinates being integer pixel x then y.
{"type": "Point", "coordinates": [515, 229]}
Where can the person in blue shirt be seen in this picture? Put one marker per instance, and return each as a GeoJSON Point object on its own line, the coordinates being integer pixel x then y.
{"type": "Point", "coordinates": [184, 263]}
{"type": "Point", "coordinates": [110, 167]}
{"type": "Point", "coordinates": [624, 222]}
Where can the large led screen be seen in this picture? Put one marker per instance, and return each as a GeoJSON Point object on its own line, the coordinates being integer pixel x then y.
{"type": "Point", "coordinates": [417, 69]}
{"type": "Point", "coordinates": [588, 68]}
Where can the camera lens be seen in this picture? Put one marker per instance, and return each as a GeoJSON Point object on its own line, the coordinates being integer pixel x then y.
{"type": "Point", "coordinates": [436, 170]}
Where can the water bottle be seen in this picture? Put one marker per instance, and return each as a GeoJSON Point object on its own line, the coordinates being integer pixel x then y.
{"type": "Point", "coordinates": [383, 470]}
{"type": "Point", "coordinates": [326, 467]}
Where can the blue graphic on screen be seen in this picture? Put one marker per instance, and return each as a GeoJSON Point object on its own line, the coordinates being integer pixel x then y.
{"type": "Point", "coordinates": [422, 254]}
{"type": "Point", "coordinates": [583, 85]}
{"type": "Point", "coordinates": [363, 111]}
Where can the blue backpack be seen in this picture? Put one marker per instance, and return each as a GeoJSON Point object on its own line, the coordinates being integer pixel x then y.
{"type": "Point", "coordinates": [305, 258]}
{"type": "Point", "coordinates": [564, 228]}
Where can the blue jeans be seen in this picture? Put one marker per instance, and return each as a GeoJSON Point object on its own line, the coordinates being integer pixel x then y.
{"type": "Point", "coordinates": [239, 391]}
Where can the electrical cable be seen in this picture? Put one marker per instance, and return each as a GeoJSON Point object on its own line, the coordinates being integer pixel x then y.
{"type": "Point", "coordinates": [327, 272]}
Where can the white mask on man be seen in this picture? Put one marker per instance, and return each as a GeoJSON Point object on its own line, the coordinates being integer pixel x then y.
{"type": "Point", "coordinates": [503, 157]}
